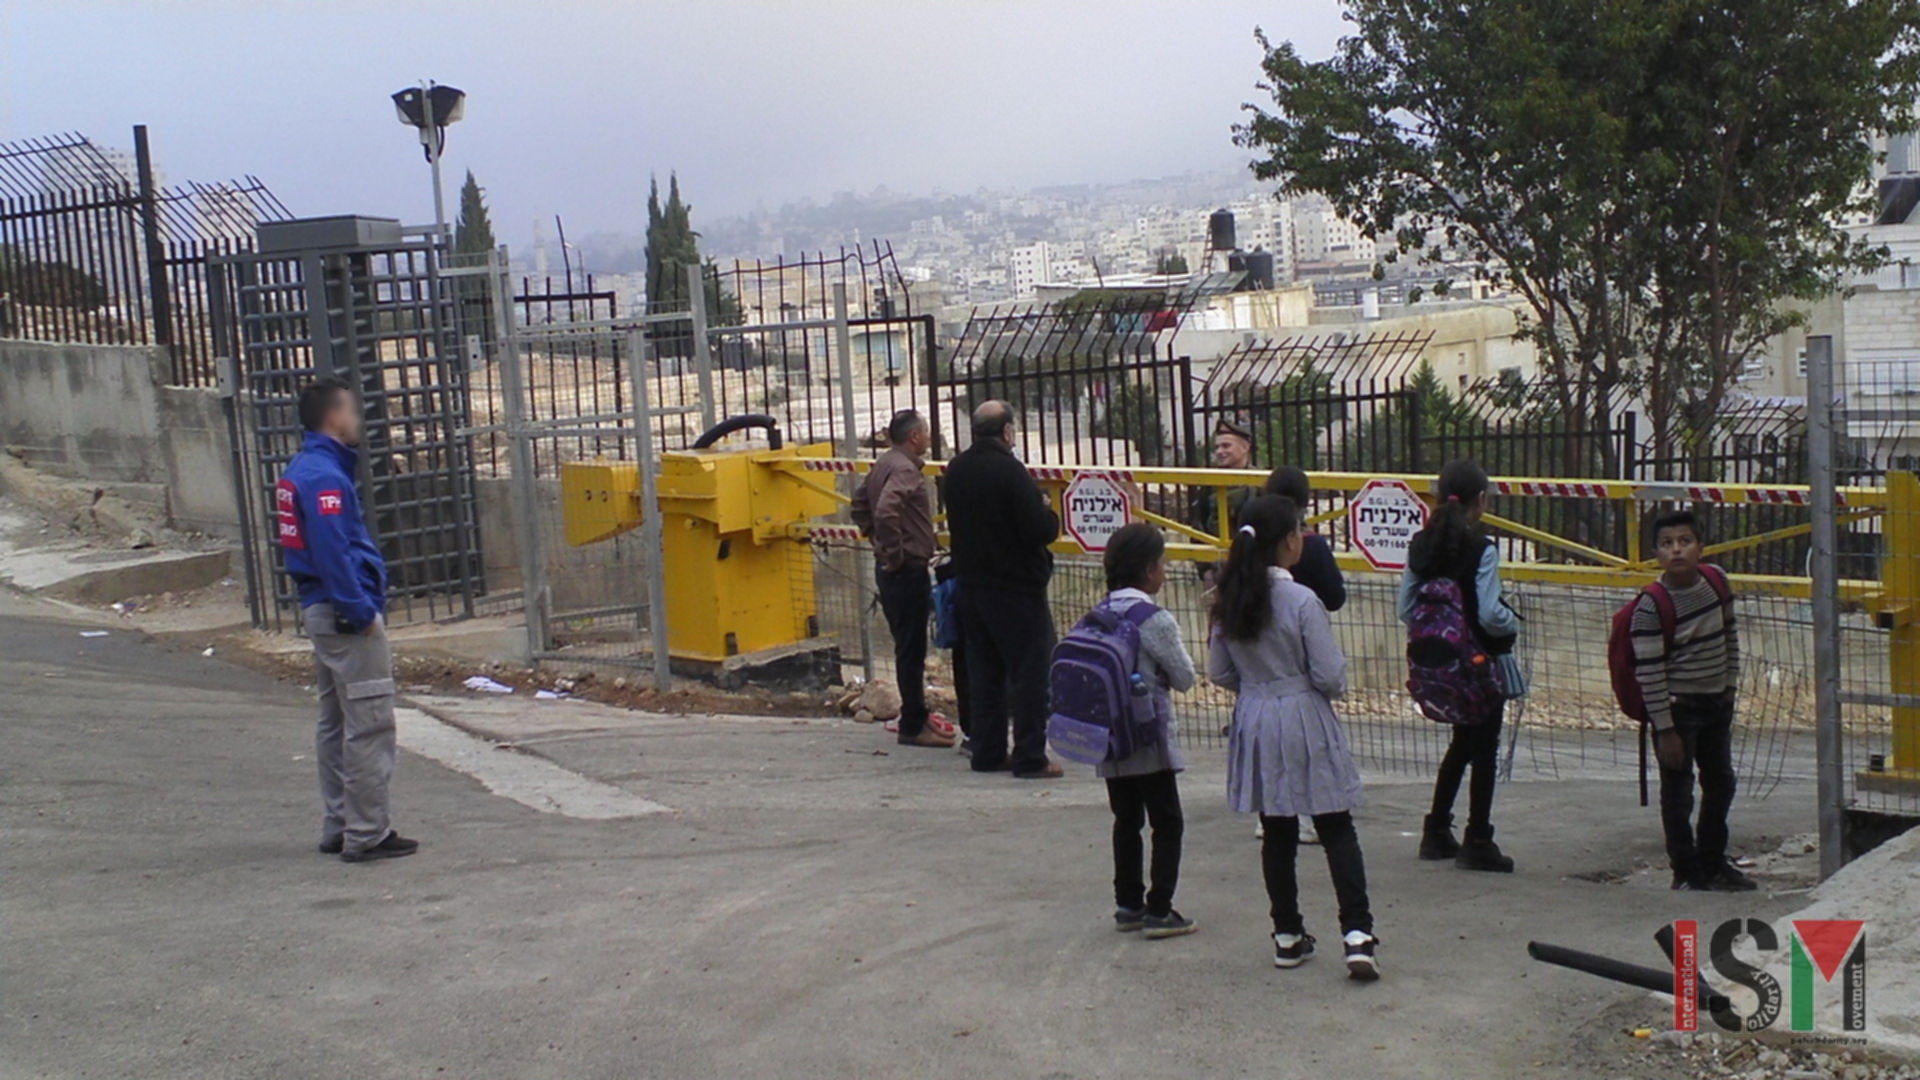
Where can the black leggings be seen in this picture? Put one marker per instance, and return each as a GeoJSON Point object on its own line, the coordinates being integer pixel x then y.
{"type": "Point", "coordinates": [1344, 862]}
{"type": "Point", "coordinates": [1137, 801]}
{"type": "Point", "coordinates": [1477, 745]}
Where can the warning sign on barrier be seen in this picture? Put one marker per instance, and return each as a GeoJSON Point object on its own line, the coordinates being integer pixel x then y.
{"type": "Point", "coordinates": [1096, 507]}
{"type": "Point", "coordinates": [1382, 519]}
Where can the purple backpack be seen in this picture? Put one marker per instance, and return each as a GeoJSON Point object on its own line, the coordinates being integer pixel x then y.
{"type": "Point", "coordinates": [1449, 674]}
{"type": "Point", "coordinates": [1102, 709]}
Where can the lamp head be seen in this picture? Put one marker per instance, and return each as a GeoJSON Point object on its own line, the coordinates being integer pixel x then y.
{"type": "Point", "coordinates": [445, 104]}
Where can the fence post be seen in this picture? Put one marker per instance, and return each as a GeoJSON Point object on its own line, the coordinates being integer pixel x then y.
{"type": "Point", "coordinates": [150, 233]}
{"type": "Point", "coordinates": [1416, 427]}
{"type": "Point", "coordinates": [231, 385]}
{"type": "Point", "coordinates": [1823, 569]}
{"type": "Point", "coordinates": [702, 348]}
{"type": "Point", "coordinates": [526, 501]}
{"type": "Point", "coordinates": [652, 529]}
{"type": "Point", "coordinates": [843, 344]}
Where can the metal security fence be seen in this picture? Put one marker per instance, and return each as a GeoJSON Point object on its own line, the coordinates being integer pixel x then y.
{"type": "Point", "coordinates": [573, 379]}
{"type": "Point", "coordinates": [380, 318]}
{"type": "Point", "coordinates": [1865, 564]}
{"type": "Point", "coordinates": [93, 250]}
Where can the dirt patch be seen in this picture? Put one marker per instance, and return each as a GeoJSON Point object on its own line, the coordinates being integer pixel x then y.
{"type": "Point", "coordinates": [1780, 864]}
{"type": "Point", "coordinates": [422, 674]}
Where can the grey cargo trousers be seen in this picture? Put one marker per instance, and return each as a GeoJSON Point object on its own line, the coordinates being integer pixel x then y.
{"type": "Point", "coordinates": [355, 740]}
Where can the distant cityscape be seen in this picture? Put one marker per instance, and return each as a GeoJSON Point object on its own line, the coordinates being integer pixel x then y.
{"type": "Point", "coordinates": [990, 246]}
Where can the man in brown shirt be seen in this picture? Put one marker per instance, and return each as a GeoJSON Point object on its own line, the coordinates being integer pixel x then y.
{"type": "Point", "coordinates": [894, 506]}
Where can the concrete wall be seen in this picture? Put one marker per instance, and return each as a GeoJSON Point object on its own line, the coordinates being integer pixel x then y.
{"type": "Point", "coordinates": [104, 414]}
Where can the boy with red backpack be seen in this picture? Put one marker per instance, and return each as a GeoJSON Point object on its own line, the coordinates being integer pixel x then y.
{"type": "Point", "coordinates": [1685, 666]}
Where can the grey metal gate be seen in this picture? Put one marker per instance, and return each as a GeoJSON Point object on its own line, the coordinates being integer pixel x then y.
{"type": "Point", "coordinates": [353, 298]}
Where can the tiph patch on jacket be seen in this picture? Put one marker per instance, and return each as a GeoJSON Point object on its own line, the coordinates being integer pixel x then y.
{"type": "Point", "coordinates": [287, 511]}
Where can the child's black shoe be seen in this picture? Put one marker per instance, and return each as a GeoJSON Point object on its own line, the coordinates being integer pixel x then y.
{"type": "Point", "coordinates": [1361, 963]}
{"type": "Point", "coordinates": [1127, 920]}
{"type": "Point", "coordinates": [1725, 878]}
{"type": "Point", "coordinates": [1291, 950]}
{"type": "Point", "coordinates": [1436, 838]}
{"type": "Point", "coordinates": [1172, 924]}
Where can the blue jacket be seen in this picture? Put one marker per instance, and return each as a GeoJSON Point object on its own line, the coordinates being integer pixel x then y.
{"type": "Point", "coordinates": [328, 551]}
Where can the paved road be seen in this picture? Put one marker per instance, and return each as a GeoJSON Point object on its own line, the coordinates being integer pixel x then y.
{"type": "Point", "coordinates": [807, 909]}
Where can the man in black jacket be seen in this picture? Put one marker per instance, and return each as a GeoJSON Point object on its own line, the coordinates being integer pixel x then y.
{"type": "Point", "coordinates": [1000, 525]}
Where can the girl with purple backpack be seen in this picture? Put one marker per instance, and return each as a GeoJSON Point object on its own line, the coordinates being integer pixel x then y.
{"type": "Point", "coordinates": [1454, 548]}
{"type": "Point", "coordinates": [1141, 788]}
{"type": "Point", "coordinates": [1287, 757]}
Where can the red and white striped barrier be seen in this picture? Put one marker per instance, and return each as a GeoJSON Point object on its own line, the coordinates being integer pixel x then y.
{"type": "Point", "coordinates": [834, 534]}
{"type": "Point", "coordinates": [1562, 488]}
{"type": "Point", "coordinates": [1058, 474]}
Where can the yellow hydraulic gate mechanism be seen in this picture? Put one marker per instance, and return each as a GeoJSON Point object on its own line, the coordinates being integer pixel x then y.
{"type": "Point", "coordinates": [740, 596]}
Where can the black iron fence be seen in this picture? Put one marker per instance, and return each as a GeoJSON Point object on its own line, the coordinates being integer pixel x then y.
{"type": "Point", "coordinates": [94, 251]}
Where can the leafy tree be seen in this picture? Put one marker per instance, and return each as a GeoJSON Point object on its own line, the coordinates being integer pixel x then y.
{"type": "Point", "coordinates": [1133, 413]}
{"type": "Point", "coordinates": [1389, 439]}
{"type": "Point", "coordinates": [472, 242]}
{"type": "Point", "coordinates": [672, 246]}
{"type": "Point", "coordinates": [1290, 418]}
{"type": "Point", "coordinates": [1650, 177]}
{"type": "Point", "coordinates": [1170, 262]}
{"type": "Point", "coordinates": [1765, 114]}
{"type": "Point", "coordinates": [473, 232]}
{"type": "Point", "coordinates": [48, 284]}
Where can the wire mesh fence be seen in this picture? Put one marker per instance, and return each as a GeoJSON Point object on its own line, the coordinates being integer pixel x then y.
{"type": "Point", "coordinates": [1876, 430]}
{"type": "Point", "coordinates": [1568, 726]}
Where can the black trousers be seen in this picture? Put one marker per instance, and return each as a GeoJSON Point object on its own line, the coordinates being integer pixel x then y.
{"type": "Point", "coordinates": [1009, 641]}
{"type": "Point", "coordinates": [1138, 801]}
{"type": "Point", "coordinates": [1478, 746]}
{"type": "Point", "coordinates": [1705, 724]}
{"type": "Point", "coordinates": [1344, 862]}
{"type": "Point", "coordinates": [906, 598]}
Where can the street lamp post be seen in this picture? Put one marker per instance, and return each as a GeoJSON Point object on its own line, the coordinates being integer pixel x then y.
{"type": "Point", "coordinates": [429, 108]}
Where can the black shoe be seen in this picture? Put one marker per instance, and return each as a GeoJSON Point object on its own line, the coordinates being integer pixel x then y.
{"type": "Point", "coordinates": [1172, 924]}
{"type": "Point", "coordinates": [1436, 839]}
{"type": "Point", "coordinates": [394, 846]}
{"type": "Point", "coordinates": [1291, 950]}
{"type": "Point", "coordinates": [1127, 920]}
{"type": "Point", "coordinates": [1361, 963]}
{"type": "Point", "coordinates": [331, 847]}
{"type": "Point", "coordinates": [1687, 883]}
{"type": "Point", "coordinates": [1727, 878]}
{"type": "Point", "coordinates": [1481, 853]}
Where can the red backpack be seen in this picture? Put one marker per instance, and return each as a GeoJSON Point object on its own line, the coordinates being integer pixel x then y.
{"type": "Point", "coordinates": [1620, 658]}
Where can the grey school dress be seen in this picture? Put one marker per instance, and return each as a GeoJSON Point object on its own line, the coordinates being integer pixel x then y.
{"type": "Point", "coordinates": [1288, 754]}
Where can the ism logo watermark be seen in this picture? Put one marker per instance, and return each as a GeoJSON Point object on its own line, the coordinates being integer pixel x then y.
{"type": "Point", "coordinates": [1820, 951]}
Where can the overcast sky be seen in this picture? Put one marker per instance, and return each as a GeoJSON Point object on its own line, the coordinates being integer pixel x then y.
{"type": "Point", "coordinates": [572, 105]}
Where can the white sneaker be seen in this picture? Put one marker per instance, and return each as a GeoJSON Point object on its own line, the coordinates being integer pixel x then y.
{"type": "Point", "coordinates": [1259, 829]}
{"type": "Point", "coordinates": [1291, 950]}
{"type": "Point", "coordinates": [1361, 963]}
{"type": "Point", "coordinates": [1308, 834]}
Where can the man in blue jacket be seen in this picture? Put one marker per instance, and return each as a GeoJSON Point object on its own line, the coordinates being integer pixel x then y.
{"type": "Point", "coordinates": [342, 580]}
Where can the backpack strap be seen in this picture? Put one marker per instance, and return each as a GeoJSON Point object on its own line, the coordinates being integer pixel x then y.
{"type": "Point", "coordinates": [1140, 612]}
{"type": "Point", "coordinates": [1717, 578]}
{"type": "Point", "coordinates": [1663, 606]}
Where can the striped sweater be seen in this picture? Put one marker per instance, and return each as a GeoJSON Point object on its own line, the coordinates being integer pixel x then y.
{"type": "Point", "coordinates": [1706, 649]}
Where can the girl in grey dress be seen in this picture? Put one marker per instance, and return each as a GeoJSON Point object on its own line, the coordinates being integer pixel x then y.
{"type": "Point", "coordinates": [1272, 643]}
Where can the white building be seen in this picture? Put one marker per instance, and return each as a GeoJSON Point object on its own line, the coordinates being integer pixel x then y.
{"type": "Point", "coordinates": [1030, 265]}
{"type": "Point", "coordinates": [1321, 236]}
